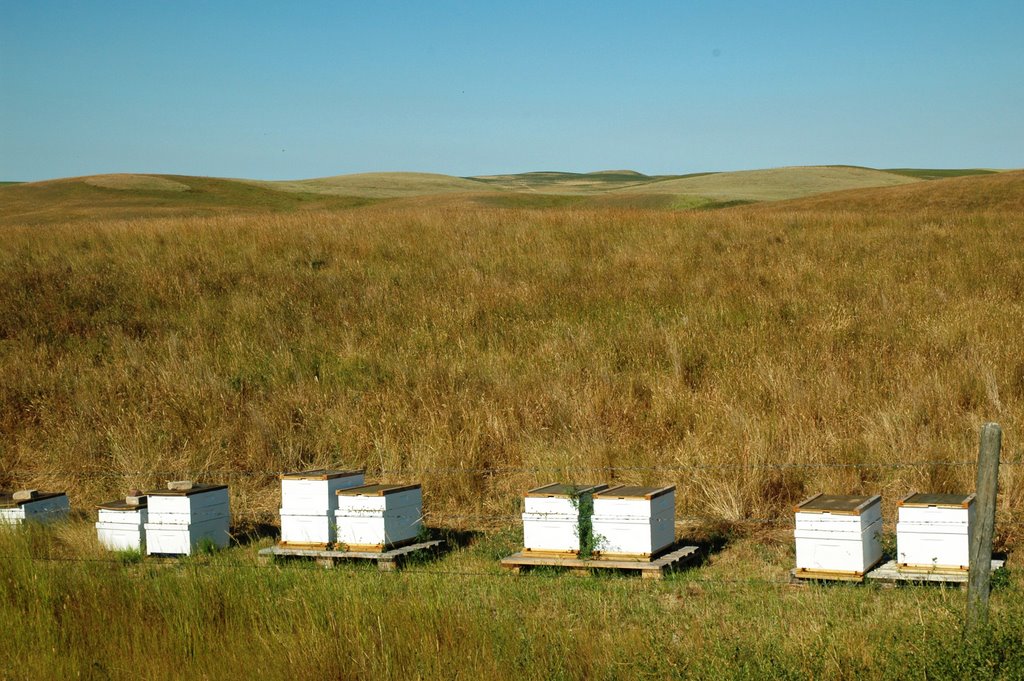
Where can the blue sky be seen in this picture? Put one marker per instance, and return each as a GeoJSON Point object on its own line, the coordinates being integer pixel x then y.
{"type": "Point", "coordinates": [290, 90]}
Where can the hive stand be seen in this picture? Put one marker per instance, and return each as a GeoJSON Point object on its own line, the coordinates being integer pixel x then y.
{"type": "Point", "coordinates": [387, 561]}
{"type": "Point", "coordinates": [674, 557]}
{"type": "Point", "coordinates": [798, 576]}
{"type": "Point", "coordinates": [891, 574]}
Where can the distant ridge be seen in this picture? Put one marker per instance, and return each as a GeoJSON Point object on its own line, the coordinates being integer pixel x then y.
{"type": "Point", "coordinates": [803, 187]}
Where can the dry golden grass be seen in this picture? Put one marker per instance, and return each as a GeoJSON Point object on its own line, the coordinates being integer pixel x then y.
{"type": "Point", "coordinates": [416, 341]}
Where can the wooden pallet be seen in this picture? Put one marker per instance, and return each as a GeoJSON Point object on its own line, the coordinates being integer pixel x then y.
{"type": "Point", "coordinates": [800, 576]}
{"type": "Point", "coordinates": [654, 569]}
{"type": "Point", "coordinates": [387, 561]}
{"type": "Point", "coordinates": [891, 574]}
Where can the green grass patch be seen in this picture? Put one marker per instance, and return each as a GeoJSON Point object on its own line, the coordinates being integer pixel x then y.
{"type": "Point", "coordinates": [939, 173]}
{"type": "Point", "coordinates": [65, 614]}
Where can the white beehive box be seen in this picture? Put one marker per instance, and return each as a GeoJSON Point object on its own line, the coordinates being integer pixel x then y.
{"type": "Point", "coordinates": [308, 504]}
{"type": "Point", "coordinates": [32, 506]}
{"type": "Point", "coordinates": [634, 521]}
{"type": "Point", "coordinates": [557, 517]}
{"type": "Point", "coordinates": [181, 519]}
{"type": "Point", "coordinates": [377, 517]}
{"type": "Point", "coordinates": [841, 534]}
{"type": "Point", "coordinates": [121, 523]}
{"type": "Point", "coordinates": [935, 531]}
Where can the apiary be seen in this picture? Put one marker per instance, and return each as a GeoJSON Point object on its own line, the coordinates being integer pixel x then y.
{"type": "Point", "coordinates": [121, 523]}
{"type": "Point", "coordinates": [376, 517]}
{"type": "Point", "coordinates": [935, 530]}
{"type": "Point", "coordinates": [32, 505]}
{"type": "Point", "coordinates": [557, 518]}
{"type": "Point", "coordinates": [185, 515]}
{"type": "Point", "coordinates": [634, 521]}
{"type": "Point", "coordinates": [308, 504]}
{"type": "Point", "coordinates": [841, 534]}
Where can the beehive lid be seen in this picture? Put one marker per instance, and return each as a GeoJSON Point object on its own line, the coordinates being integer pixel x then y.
{"type": "Point", "coordinates": [559, 489]}
{"type": "Point", "coordinates": [627, 492]}
{"type": "Point", "coordinates": [837, 503]}
{"type": "Point", "coordinates": [122, 505]}
{"type": "Point", "coordinates": [7, 499]}
{"type": "Point", "coordinates": [375, 490]}
{"type": "Point", "coordinates": [196, 489]}
{"type": "Point", "coordinates": [923, 500]}
{"type": "Point", "coordinates": [322, 474]}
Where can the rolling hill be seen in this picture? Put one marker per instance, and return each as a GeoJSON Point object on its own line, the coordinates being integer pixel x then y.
{"type": "Point", "coordinates": [137, 195]}
{"type": "Point", "coordinates": [131, 195]}
{"type": "Point", "coordinates": [773, 184]}
{"type": "Point", "coordinates": [554, 182]}
{"type": "Point", "coordinates": [1003, 191]}
{"type": "Point", "coordinates": [377, 185]}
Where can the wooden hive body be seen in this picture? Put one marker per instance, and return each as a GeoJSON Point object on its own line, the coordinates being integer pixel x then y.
{"type": "Point", "coordinates": [839, 534]}
{"type": "Point", "coordinates": [633, 521]}
{"type": "Point", "coordinates": [309, 501]}
{"type": "Point", "coordinates": [375, 517]}
{"type": "Point", "coordinates": [557, 518]}
{"type": "Point", "coordinates": [121, 526]}
{"type": "Point", "coordinates": [180, 520]}
{"type": "Point", "coordinates": [934, 531]}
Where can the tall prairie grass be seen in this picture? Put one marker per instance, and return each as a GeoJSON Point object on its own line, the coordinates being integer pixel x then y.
{"type": "Point", "coordinates": [418, 342]}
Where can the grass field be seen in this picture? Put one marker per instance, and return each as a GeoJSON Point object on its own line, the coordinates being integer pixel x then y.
{"type": "Point", "coordinates": [751, 356]}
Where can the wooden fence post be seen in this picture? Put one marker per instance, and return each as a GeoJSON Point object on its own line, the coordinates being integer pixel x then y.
{"type": "Point", "coordinates": [984, 528]}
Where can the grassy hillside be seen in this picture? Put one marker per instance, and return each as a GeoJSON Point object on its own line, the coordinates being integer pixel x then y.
{"type": "Point", "coordinates": [774, 184]}
{"type": "Point", "coordinates": [1002, 191]}
{"type": "Point", "coordinates": [379, 185]}
{"type": "Point", "coordinates": [105, 197]}
{"type": "Point", "coordinates": [573, 183]}
{"type": "Point", "coordinates": [133, 195]}
{"type": "Point", "coordinates": [939, 173]}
